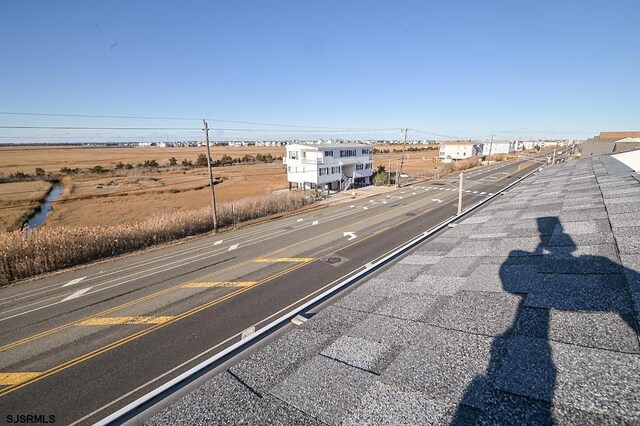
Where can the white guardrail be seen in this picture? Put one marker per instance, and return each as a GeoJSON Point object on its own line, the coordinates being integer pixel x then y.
{"type": "Point", "coordinates": [124, 414]}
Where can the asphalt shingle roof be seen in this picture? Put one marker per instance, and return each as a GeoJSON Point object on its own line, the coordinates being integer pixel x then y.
{"type": "Point", "coordinates": [526, 312]}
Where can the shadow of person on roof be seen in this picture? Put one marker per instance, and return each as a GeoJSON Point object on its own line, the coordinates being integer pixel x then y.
{"type": "Point", "coordinates": [520, 380]}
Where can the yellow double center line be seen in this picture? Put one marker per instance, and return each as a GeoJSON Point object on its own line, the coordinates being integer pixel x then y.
{"type": "Point", "coordinates": [34, 377]}
{"type": "Point", "coordinates": [144, 332]}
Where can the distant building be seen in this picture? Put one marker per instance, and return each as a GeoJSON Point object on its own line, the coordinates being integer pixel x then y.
{"type": "Point", "coordinates": [459, 150]}
{"type": "Point", "coordinates": [329, 166]}
{"type": "Point", "coordinates": [499, 147]}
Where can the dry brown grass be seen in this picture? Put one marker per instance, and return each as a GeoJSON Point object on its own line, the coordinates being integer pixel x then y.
{"type": "Point", "coordinates": [418, 163]}
{"type": "Point", "coordinates": [19, 200]}
{"type": "Point", "coordinates": [29, 253]}
{"type": "Point", "coordinates": [53, 158]}
{"type": "Point", "coordinates": [96, 200]}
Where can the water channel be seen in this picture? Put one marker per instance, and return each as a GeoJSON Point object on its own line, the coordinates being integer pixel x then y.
{"type": "Point", "coordinates": [46, 208]}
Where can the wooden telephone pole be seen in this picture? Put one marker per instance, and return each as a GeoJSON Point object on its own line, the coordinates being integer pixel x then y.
{"type": "Point", "coordinates": [404, 147]}
{"type": "Point", "coordinates": [213, 191]}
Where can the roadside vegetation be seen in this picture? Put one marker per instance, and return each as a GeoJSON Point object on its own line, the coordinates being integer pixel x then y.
{"type": "Point", "coordinates": [26, 253]}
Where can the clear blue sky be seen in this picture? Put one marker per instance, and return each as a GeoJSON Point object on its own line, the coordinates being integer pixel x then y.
{"type": "Point", "coordinates": [462, 68]}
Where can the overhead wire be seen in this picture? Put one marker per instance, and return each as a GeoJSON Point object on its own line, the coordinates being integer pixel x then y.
{"type": "Point", "coordinates": [180, 118]}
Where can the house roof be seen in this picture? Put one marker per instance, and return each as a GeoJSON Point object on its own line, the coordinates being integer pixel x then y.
{"type": "Point", "coordinates": [526, 312]}
{"type": "Point", "coordinates": [333, 145]}
{"type": "Point", "coordinates": [619, 135]}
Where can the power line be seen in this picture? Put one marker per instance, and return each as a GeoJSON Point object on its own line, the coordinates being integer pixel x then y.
{"type": "Point", "coordinates": [436, 134]}
{"type": "Point", "coordinates": [195, 129]}
{"type": "Point", "coordinates": [38, 114]}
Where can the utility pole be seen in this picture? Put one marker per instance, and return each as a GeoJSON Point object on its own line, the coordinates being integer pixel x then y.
{"type": "Point", "coordinates": [396, 182]}
{"type": "Point", "coordinates": [460, 196]}
{"type": "Point", "coordinates": [490, 146]}
{"type": "Point", "coordinates": [404, 147]}
{"type": "Point", "coordinates": [213, 192]}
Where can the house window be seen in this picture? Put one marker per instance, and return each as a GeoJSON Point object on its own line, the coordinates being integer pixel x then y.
{"type": "Point", "coordinates": [323, 171]}
{"type": "Point", "coordinates": [366, 151]}
{"type": "Point", "coordinates": [328, 153]}
{"type": "Point", "coordinates": [368, 166]}
{"type": "Point", "coordinates": [359, 166]}
{"type": "Point", "coordinates": [293, 155]}
{"type": "Point", "coordinates": [348, 153]}
{"type": "Point", "coordinates": [335, 170]}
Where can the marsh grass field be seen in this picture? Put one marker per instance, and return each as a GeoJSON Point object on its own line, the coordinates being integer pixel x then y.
{"type": "Point", "coordinates": [108, 210]}
{"type": "Point", "coordinates": [120, 196]}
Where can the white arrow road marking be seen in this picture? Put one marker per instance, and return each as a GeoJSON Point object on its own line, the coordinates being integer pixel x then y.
{"type": "Point", "coordinates": [299, 220]}
{"type": "Point", "coordinates": [315, 222]}
{"type": "Point", "coordinates": [351, 235]}
{"type": "Point", "coordinates": [233, 247]}
{"type": "Point", "coordinates": [77, 294]}
{"type": "Point", "coordinates": [217, 242]}
{"type": "Point", "coordinates": [72, 282]}
{"type": "Point", "coordinates": [436, 200]}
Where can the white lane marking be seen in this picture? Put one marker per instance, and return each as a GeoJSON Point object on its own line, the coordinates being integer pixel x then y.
{"type": "Point", "coordinates": [490, 193]}
{"type": "Point", "coordinates": [384, 202]}
{"type": "Point", "coordinates": [475, 192]}
{"type": "Point", "coordinates": [467, 190]}
{"type": "Point", "coordinates": [436, 200]}
{"type": "Point", "coordinates": [218, 242]}
{"type": "Point", "coordinates": [371, 201]}
{"type": "Point", "coordinates": [351, 235]}
{"type": "Point", "coordinates": [413, 193]}
{"type": "Point", "coordinates": [482, 193]}
{"type": "Point", "coordinates": [351, 206]}
{"type": "Point", "coordinates": [400, 198]}
{"type": "Point", "coordinates": [365, 208]}
{"type": "Point", "coordinates": [299, 220]}
{"type": "Point", "coordinates": [233, 247]}
{"type": "Point", "coordinates": [248, 332]}
{"type": "Point", "coordinates": [76, 294]}
{"type": "Point", "coordinates": [76, 281]}
{"type": "Point", "coordinates": [315, 222]}
{"type": "Point", "coordinates": [118, 281]}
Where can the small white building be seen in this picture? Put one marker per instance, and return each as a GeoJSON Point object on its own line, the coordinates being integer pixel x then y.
{"type": "Point", "coordinates": [459, 150]}
{"type": "Point", "coordinates": [499, 147]}
{"type": "Point", "coordinates": [329, 166]}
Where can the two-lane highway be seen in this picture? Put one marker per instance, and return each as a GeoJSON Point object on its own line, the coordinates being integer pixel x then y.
{"type": "Point", "coordinates": [81, 344]}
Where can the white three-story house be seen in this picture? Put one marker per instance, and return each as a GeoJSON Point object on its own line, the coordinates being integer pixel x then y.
{"type": "Point", "coordinates": [333, 166]}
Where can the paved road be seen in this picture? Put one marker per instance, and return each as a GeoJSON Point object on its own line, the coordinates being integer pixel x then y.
{"type": "Point", "coordinates": [81, 344]}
